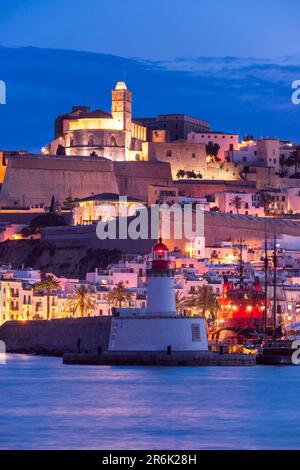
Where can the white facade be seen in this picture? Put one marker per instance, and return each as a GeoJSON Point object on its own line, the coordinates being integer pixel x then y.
{"type": "Point", "coordinates": [263, 151]}
{"type": "Point", "coordinates": [227, 142]}
{"type": "Point", "coordinates": [225, 202]}
{"type": "Point", "coordinates": [161, 296]}
{"type": "Point", "coordinates": [158, 334]}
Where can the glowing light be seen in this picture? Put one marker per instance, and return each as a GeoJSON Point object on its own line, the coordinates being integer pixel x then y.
{"type": "Point", "coordinates": [121, 86]}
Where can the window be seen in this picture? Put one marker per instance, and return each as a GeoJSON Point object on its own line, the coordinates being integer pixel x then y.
{"type": "Point", "coordinates": [91, 140]}
{"type": "Point", "coordinates": [193, 155]}
{"type": "Point", "coordinates": [196, 336]}
{"type": "Point", "coordinates": [169, 153]}
{"type": "Point", "coordinates": [113, 141]}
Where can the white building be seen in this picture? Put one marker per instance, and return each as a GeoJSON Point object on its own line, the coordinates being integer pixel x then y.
{"type": "Point", "coordinates": [226, 142]}
{"type": "Point", "coordinates": [238, 203]}
{"type": "Point", "coordinates": [262, 152]}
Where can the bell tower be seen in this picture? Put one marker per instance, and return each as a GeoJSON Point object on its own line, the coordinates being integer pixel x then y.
{"type": "Point", "coordinates": [121, 105]}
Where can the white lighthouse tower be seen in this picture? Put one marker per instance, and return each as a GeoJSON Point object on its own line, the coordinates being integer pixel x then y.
{"type": "Point", "coordinates": [160, 283]}
{"type": "Point", "coordinates": [159, 328]}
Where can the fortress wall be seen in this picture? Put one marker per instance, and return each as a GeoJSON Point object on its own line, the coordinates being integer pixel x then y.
{"type": "Point", "coordinates": [135, 177]}
{"type": "Point", "coordinates": [253, 230]}
{"type": "Point", "coordinates": [217, 226]}
{"type": "Point", "coordinates": [34, 179]}
{"type": "Point", "coordinates": [202, 188]}
{"type": "Point", "coordinates": [56, 336]}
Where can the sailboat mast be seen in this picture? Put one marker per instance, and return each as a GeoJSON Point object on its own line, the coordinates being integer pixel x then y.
{"type": "Point", "coordinates": [274, 285]}
{"type": "Point", "coordinates": [266, 287]}
{"type": "Point", "coordinates": [241, 265]}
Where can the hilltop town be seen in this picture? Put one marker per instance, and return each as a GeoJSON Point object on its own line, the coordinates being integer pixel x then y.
{"type": "Point", "coordinates": [248, 187]}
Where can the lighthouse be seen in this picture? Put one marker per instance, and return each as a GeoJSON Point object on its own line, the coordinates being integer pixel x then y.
{"type": "Point", "coordinates": [160, 283]}
{"type": "Point", "coordinates": [159, 328]}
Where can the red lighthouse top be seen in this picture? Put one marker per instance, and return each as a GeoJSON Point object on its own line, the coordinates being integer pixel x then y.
{"type": "Point", "coordinates": [160, 257]}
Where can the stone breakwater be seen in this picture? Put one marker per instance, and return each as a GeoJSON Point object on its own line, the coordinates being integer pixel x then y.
{"type": "Point", "coordinates": [85, 341]}
{"type": "Point", "coordinates": [56, 337]}
{"type": "Point", "coordinates": [161, 358]}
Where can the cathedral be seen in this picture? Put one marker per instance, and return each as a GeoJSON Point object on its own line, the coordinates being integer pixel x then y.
{"type": "Point", "coordinates": [112, 135]}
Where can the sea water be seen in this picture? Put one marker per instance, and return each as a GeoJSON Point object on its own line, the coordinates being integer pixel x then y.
{"type": "Point", "coordinates": [47, 405]}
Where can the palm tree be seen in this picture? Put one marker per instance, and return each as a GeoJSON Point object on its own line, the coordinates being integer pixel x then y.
{"type": "Point", "coordinates": [282, 163]}
{"type": "Point", "coordinates": [237, 203]}
{"type": "Point", "coordinates": [83, 302]}
{"type": "Point", "coordinates": [48, 284]}
{"type": "Point", "coordinates": [267, 200]}
{"type": "Point", "coordinates": [180, 174]}
{"type": "Point", "coordinates": [212, 151]}
{"type": "Point", "coordinates": [180, 301]}
{"type": "Point", "coordinates": [119, 295]}
{"type": "Point", "coordinates": [296, 159]}
{"type": "Point", "coordinates": [203, 300]}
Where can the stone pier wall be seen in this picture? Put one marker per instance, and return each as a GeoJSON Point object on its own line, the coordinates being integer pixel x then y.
{"type": "Point", "coordinates": [56, 336]}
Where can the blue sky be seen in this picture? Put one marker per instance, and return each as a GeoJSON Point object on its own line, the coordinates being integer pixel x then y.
{"type": "Point", "coordinates": [155, 29]}
{"type": "Point", "coordinates": [227, 61]}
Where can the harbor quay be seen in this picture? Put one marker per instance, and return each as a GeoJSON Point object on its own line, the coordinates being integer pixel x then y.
{"type": "Point", "coordinates": [65, 337]}
{"type": "Point", "coordinates": [160, 358]}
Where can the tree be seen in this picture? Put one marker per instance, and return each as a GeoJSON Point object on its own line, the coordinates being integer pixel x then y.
{"type": "Point", "coordinates": [282, 163]}
{"type": "Point", "coordinates": [83, 302]}
{"type": "Point", "coordinates": [180, 301]}
{"type": "Point", "coordinates": [48, 284]}
{"type": "Point", "coordinates": [60, 150]}
{"type": "Point", "coordinates": [203, 300]}
{"type": "Point", "coordinates": [50, 219]}
{"type": "Point", "coordinates": [180, 174]}
{"type": "Point", "coordinates": [212, 151]}
{"type": "Point", "coordinates": [237, 203]}
{"type": "Point", "coordinates": [266, 200]}
{"type": "Point", "coordinates": [190, 174]}
{"type": "Point", "coordinates": [119, 295]}
{"type": "Point", "coordinates": [294, 159]}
